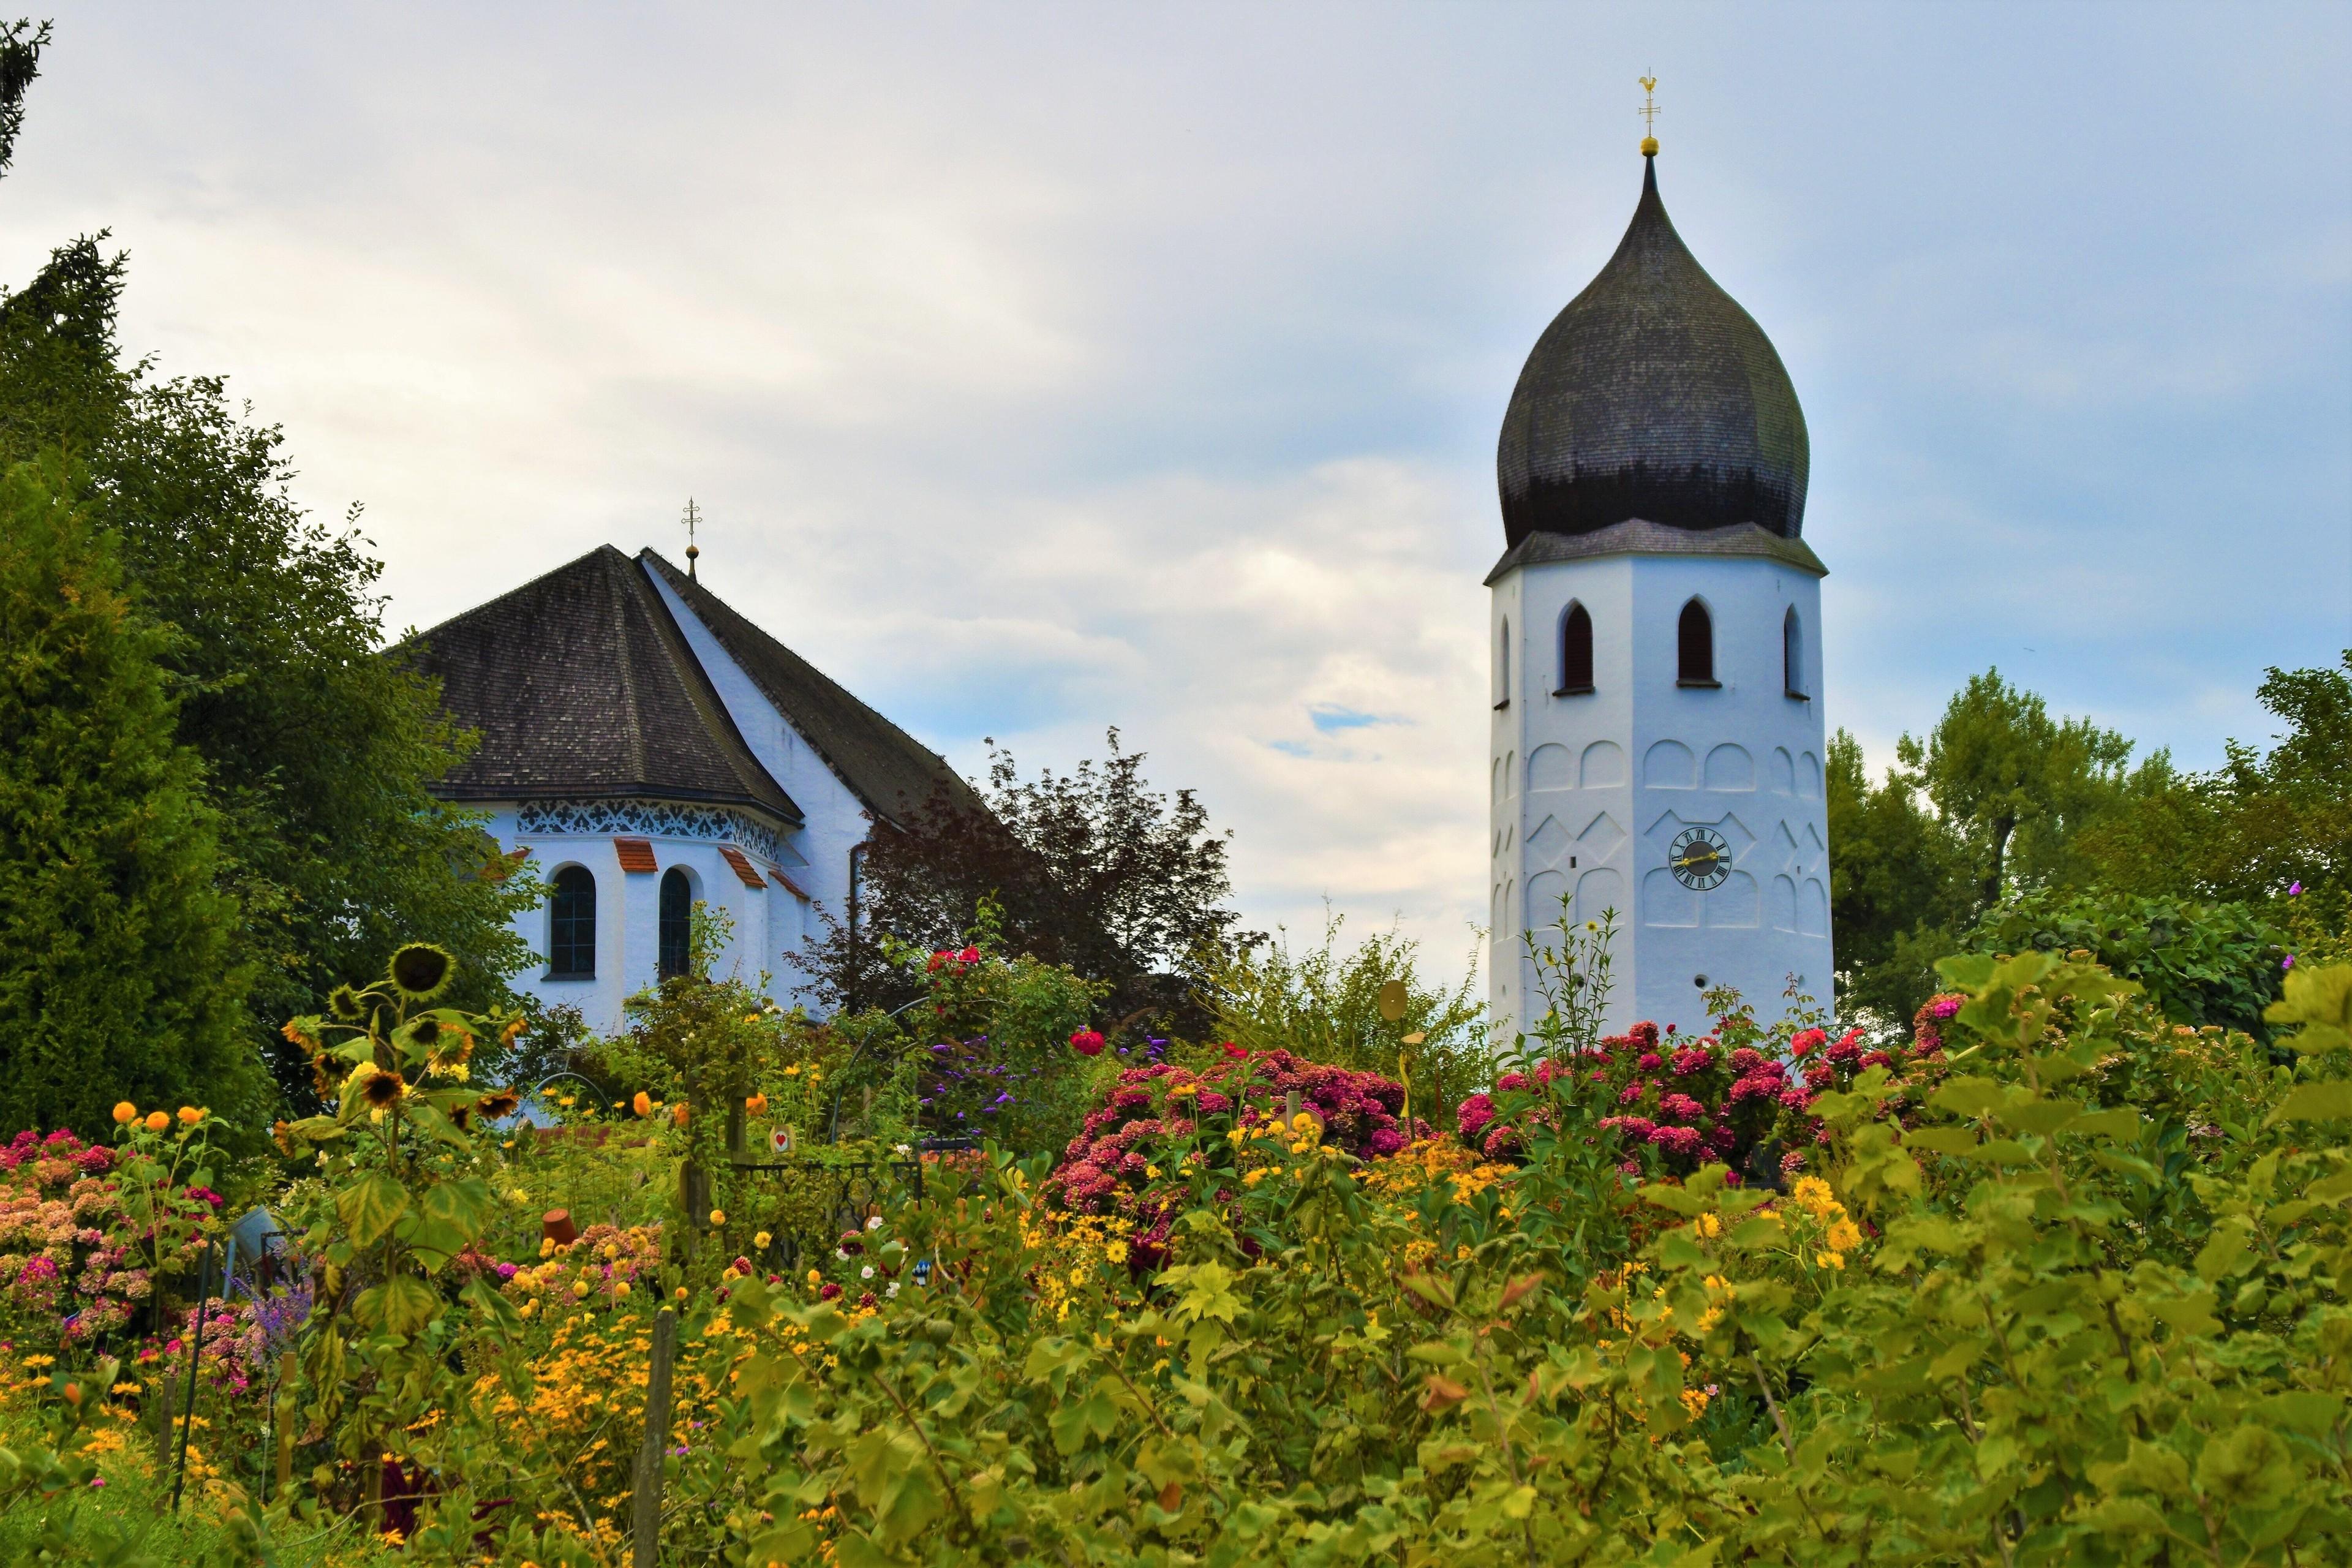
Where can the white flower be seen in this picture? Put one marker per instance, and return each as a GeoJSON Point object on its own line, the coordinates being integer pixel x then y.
{"type": "Point", "coordinates": [867, 1272]}
{"type": "Point", "coordinates": [874, 1224]}
{"type": "Point", "coordinates": [901, 1149]}
{"type": "Point", "coordinates": [841, 1253]}
{"type": "Point", "coordinates": [894, 1288]}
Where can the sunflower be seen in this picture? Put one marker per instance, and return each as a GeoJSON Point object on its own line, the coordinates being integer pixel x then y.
{"type": "Point", "coordinates": [345, 1004]}
{"type": "Point", "coordinates": [383, 1088]}
{"type": "Point", "coordinates": [498, 1103]}
{"type": "Point", "coordinates": [420, 970]}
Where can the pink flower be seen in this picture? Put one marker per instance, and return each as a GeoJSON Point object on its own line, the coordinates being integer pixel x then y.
{"type": "Point", "coordinates": [1693, 1059]}
{"type": "Point", "coordinates": [1651, 1061]}
{"type": "Point", "coordinates": [1086, 1043]}
{"type": "Point", "coordinates": [1681, 1107]}
{"type": "Point", "coordinates": [1473, 1116]}
{"type": "Point", "coordinates": [1510, 1081]}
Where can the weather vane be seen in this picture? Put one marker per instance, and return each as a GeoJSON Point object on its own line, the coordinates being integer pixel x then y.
{"type": "Point", "coordinates": [1649, 113]}
{"type": "Point", "coordinates": [691, 519]}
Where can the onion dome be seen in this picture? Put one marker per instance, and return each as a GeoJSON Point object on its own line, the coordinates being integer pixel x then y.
{"type": "Point", "coordinates": [1652, 397]}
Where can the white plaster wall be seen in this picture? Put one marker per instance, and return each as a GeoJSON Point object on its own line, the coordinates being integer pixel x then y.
{"type": "Point", "coordinates": [1588, 791]}
{"type": "Point", "coordinates": [628, 917]}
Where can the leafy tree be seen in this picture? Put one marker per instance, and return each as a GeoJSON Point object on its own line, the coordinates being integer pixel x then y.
{"type": "Point", "coordinates": [119, 969]}
{"type": "Point", "coordinates": [317, 755]}
{"type": "Point", "coordinates": [2199, 963]}
{"type": "Point", "coordinates": [1899, 886]}
{"type": "Point", "coordinates": [1092, 870]}
{"type": "Point", "coordinates": [2014, 785]}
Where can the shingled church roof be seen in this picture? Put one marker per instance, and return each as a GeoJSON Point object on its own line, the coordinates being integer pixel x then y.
{"type": "Point", "coordinates": [583, 688]}
{"type": "Point", "coordinates": [888, 770]}
{"type": "Point", "coordinates": [1652, 396]}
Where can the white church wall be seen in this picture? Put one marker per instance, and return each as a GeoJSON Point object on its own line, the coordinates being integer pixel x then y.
{"type": "Point", "coordinates": [1590, 790]}
{"type": "Point", "coordinates": [628, 917]}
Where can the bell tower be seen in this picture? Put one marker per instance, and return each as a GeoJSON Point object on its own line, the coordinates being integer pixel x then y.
{"type": "Point", "coordinates": [1656, 738]}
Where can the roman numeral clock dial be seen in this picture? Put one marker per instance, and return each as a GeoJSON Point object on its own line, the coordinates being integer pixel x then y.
{"type": "Point", "coordinates": [1700, 858]}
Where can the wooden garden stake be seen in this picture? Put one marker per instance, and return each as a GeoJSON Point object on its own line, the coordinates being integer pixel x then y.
{"type": "Point", "coordinates": [196, 1344]}
{"type": "Point", "coordinates": [283, 1415]}
{"type": "Point", "coordinates": [644, 1505]}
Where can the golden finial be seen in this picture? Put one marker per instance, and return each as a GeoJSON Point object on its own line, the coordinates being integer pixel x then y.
{"type": "Point", "coordinates": [692, 516]}
{"type": "Point", "coordinates": [1649, 113]}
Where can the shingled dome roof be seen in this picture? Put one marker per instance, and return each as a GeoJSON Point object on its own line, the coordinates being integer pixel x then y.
{"type": "Point", "coordinates": [1652, 396]}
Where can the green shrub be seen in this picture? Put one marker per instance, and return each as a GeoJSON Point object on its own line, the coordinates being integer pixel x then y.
{"type": "Point", "coordinates": [2200, 963]}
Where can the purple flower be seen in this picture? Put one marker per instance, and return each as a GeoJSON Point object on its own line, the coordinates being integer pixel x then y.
{"type": "Point", "coordinates": [2287, 963]}
{"type": "Point", "coordinates": [2294, 890]}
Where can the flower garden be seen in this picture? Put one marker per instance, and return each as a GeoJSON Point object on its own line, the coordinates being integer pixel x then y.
{"type": "Point", "coordinates": [2045, 1277]}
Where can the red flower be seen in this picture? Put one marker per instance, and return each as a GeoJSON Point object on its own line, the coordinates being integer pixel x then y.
{"type": "Point", "coordinates": [1234, 1051]}
{"type": "Point", "coordinates": [1807, 1040]}
{"type": "Point", "coordinates": [1086, 1043]}
{"type": "Point", "coordinates": [969, 956]}
{"type": "Point", "coordinates": [828, 1292]}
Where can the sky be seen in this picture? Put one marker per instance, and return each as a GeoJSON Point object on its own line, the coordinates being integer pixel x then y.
{"type": "Point", "coordinates": [1041, 369]}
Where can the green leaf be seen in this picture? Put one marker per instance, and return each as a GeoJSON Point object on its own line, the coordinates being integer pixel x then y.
{"type": "Point", "coordinates": [2319, 1002]}
{"type": "Point", "coordinates": [1995, 1454]}
{"type": "Point", "coordinates": [401, 1305]}
{"type": "Point", "coordinates": [2328, 1101]}
{"type": "Point", "coordinates": [1941, 1140]}
{"type": "Point", "coordinates": [2039, 1116]}
{"type": "Point", "coordinates": [371, 1206]}
{"type": "Point", "coordinates": [1968, 1096]}
{"type": "Point", "coordinates": [2121, 1122]}
{"type": "Point", "coordinates": [1073, 1419]}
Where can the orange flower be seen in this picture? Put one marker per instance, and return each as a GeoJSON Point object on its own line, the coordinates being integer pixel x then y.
{"type": "Point", "coordinates": [644, 1103]}
{"type": "Point", "coordinates": [756, 1104]}
{"type": "Point", "coordinates": [157, 1121]}
{"type": "Point", "coordinates": [677, 1115]}
{"type": "Point", "coordinates": [190, 1116]}
{"type": "Point", "coordinates": [124, 1111]}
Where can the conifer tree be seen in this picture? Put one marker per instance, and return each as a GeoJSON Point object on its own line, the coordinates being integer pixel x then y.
{"type": "Point", "coordinates": [118, 977]}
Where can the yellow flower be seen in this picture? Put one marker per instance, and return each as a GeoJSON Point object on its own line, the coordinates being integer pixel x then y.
{"type": "Point", "coordinates": [719, 1217]}
{"type": "Point", "coordinates": [762, 1239]}
{"type": "Point", "coordinates": [680, 1292]}
{"type": "Point", "coordinates": [622, 1288]}
{"type": "Point", "coordinates": [1830, 1260]}
{"type": "Point", "coordinates": [578, 1287]}
{"type": "Point", "coordinates": [814, 1278]}
{"type": "Point", "coordinates": [1711, 1225]}
{"type": "Point", "coordinates": [1115, 1251]}
{"type": "Point", "coordinates": [643, 1104]}
{"type": "Point", "coordinates": [1844, 1235]}
{"type": "Point", "coordinates": [125, 1111]}
{"type": "Point", "coordinates": [1302, 1122]}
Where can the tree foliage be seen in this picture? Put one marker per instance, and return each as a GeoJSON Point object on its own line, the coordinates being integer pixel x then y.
{"type": "Point", "coordinates": [316, 755]}
{"type": "Point", "coordinates": [119, 969]}
{"type": "Point", "coordinates": [1091, 871]}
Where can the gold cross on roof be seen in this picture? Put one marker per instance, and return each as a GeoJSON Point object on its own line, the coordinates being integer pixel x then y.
{"type": "Point", "coordinates": [1649, 113]}
{"type": "Point", "coordinates": [693, 515]}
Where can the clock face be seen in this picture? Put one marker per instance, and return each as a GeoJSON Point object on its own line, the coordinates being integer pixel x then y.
{"type": "Point", "coordinates": [1700, 857]}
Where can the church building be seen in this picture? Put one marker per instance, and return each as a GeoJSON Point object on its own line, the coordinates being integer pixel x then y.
{"type": "Point", "coordinates": [1656, 738]}
{"type": "Point", "coordinates": [646, 746]}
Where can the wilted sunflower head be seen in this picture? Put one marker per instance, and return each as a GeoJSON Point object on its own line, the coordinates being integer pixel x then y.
{"type": "Point", "coordinates": [425, 1032]}
{"type": "Point", "coordinates": [499, 1102]}
{"type": "Point", "coordinates": [346, 1005]}
{"type": "Point", "coordinates": [383, 1088]}
{"type": "Point", "coordinates": [420, 971]}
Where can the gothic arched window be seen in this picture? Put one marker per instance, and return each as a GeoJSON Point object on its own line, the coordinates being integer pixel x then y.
{"type": "Point", "coordinates": [1694, 648]}
{"type": "Point", "coordinates": [677, 923]}
{"type": "Point", "coordinates": [1792, 653]}
{"type": "Point", "coordinates": [572, 924]}
{"type": "Point", "coordinates": [1575, 651]}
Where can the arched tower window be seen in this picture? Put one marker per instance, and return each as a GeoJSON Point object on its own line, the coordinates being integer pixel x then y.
{"type": "Point", "coordinates": [572, 924]}
{"type": "Point", "coordinates": [1792, 653]}
{"type": "Point", "coordinates": [1503, 666]}
{"type": "Point", "coordinates": [1575, 651]}
{"type": "Point", "coordinates": [1695, 646]}
{"type": "Point", "coordinates": [676, 922]}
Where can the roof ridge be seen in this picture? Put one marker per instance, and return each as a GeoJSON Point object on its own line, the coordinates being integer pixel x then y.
{"type": "Point", "coordinates": [636, 730]}
{"type": "Point", "coordinates": [703, 691]}
{"type": "Point", "coordinates": [731, 629]}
